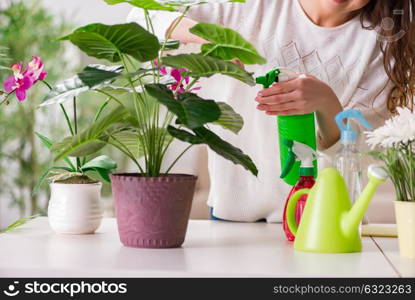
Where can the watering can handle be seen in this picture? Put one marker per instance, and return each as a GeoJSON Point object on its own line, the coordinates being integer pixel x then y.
{"type": "Point", "coordinates": [292, 203]}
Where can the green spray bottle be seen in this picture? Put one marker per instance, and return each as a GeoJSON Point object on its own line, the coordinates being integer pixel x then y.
{"type": "Point", "coordinates": [299, 128]}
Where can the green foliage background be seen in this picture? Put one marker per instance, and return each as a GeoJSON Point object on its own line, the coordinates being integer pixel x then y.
{"type": "Point", "coordinates": [26, 29]}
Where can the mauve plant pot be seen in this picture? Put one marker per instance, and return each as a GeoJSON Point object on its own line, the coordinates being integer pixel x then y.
{"type": "Point", "coordinates": [152, 212]}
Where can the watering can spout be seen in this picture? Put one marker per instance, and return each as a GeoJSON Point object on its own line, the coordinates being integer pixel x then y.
{"type": "Point", "coordinates": [351, 220]}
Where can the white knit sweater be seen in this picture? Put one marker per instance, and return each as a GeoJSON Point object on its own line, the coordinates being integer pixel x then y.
{"type": "Point", "coordinates": [346, 57]}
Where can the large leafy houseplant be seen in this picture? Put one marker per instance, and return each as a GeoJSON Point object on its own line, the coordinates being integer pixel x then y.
{"type": "Point", "coordinates": [132, 118]}
{"type": "Point", "coordinates": [150, 101]}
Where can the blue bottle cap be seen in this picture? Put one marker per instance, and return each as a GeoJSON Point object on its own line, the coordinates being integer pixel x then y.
{"type": "Point", "coordinates": [348, 135]}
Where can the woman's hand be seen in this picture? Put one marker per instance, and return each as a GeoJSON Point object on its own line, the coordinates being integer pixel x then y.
{"type": "Point", "coordinates": [303, 95]}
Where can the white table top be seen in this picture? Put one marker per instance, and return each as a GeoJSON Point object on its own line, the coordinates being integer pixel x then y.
{"type": "Point", "coordinates": [211, 249]}
{"type": "Point", "coordinates": [404, 266]}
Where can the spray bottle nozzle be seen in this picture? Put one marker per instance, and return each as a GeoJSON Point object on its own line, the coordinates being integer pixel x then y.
{"type": "Point", "coordinates": [301, 152]}
{"type": "Point", "coordinates": [268, 79]}
{"type": "Point", "coordinates": [348, 135]}
{"type": "Point", "coordinates": [279, 74]}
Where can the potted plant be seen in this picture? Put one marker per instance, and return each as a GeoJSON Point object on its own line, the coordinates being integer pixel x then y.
{"type": "Point", "coordinates": [74, 206]}
{"type": "Point", "coordinates": [150, 101]}
{"type": "Point", "coordinates": [396, 140]}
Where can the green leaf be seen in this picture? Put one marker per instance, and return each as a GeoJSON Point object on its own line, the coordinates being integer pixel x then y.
{"type": "Point", "coordinates": [171, 44]}
{"type": "Point", "coordinates": [127, 141]}
{"type": "Point", "coordinates": [82, 144]}
{"type": "Point", "coordinates": [104, 173]}
{"type": "Point", "coordinates": [115, 91]}
{"type": "Point", "coordinates": [48, 143]}
{"type": "Point", "coordinates": [206, 66]}
{"type": "Point", "coordinates": [102, 162]}
{"type": "Point", "coordinates": [45, 141]}
{"type": "Point", "coordinates": [229, 119]}
{"type": "Point", "coordinates": [145, 4]}
{"type": "Point", "coordinates": [110, 41]}
{"type": "Point", "coordinates": [184, 136]}
{"type": "Point", "coordinates": [93, 138]}
{"type": "Point", "coordinates": [191, 110]}
{"type": "Point", "coordinates": [226, 150]}
{"type": "Point", "coordinates": [102, 165]}
{"type": "Point", "coordinates": [128, 100]}
{"type": "Point", "coordinates": [45, 174]}
{"type": "Point", "coordinates": [226, 44]}
{"type": "Point", "coordinates": [214, 142]}
{"type": "Point", "coordinates": [16, 224]}
{"type": "Point", "coordinates": [92, 77]}
{"type": "Point", "coordinates": [65, 90]}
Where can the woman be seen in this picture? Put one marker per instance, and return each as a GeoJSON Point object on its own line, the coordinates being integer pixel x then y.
{"type": "Point", "coordinates": [348, 64]}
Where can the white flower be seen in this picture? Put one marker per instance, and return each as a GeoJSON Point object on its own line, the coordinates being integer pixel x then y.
{"type": "Point", "coordinates": [399, 129]}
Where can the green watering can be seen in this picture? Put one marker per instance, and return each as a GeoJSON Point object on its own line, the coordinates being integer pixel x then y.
{"type": "Point", "coordinates": [329, 223]}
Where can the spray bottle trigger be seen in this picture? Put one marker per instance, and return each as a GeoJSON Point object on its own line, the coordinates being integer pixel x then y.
{"type": "Point", "coordinates": [268, 79]}
{"type": "Point", "coordinates": [291, 158]}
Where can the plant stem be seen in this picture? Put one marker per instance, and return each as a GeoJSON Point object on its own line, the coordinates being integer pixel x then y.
{"type": "Point", "coordinates": [192, 83]}
{"type": "Point", "coordinates": [75, 121]}
{"type": "Point", "coordinates": [178, 158]}
{"type": "Point", "coordinates": [100, 110]}
{"type": "Point", "coordinates": [75, 116]}
{"type": "Point", "coordinates": [47, 84]}
{"type": "Point", "coordinates": [68, 122]}
{"type": "Point", "coordinates": [143, 137]}
{"type": "Point", "coordinates": [5, 98]}
{"type": "Point", "coordinates": [170, 32]}
{"type": "Point", "coordinates": [127, 152]}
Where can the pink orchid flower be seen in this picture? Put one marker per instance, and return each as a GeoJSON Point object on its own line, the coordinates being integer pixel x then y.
{"type": "Point", "coordinates": [181, 81]}
{"type": "Point", "coordinates": [35, 69]}
{"type": "Point", "coordinates": [19, 82]}
{"type": "Point", "coordinates": [22, 80]}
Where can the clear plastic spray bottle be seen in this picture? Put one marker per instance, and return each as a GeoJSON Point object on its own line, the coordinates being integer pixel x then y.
{"type": "Point", "coordinates": [348, 159]}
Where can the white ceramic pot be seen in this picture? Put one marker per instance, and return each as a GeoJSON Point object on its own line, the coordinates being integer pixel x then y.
{"type": "Point", "coordinates": [405, 220]}
{"type": "Point", "coordinates": [75, 208]}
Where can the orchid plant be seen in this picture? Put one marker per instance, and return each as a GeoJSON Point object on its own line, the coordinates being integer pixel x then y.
{"type": "Point", "coordinates": [18, 84]}
{"type": "Point", "coordinates": [150, 97]}
{"type": "Point", "coordinates": [395, 143]}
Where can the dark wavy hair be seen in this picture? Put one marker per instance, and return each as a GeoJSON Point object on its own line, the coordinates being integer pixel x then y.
{"type": "Point", "coordinates": [397, 44]}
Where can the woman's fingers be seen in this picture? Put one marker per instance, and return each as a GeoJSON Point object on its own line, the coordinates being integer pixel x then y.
{"type": "Point", "coordinates": [280, 88]}
{"type": "Point", "coordinates": [291, 112]}
{"type": "Point", "coordinates": [277, 98]}
{"type": "Point", "coordinates": [298, 105]}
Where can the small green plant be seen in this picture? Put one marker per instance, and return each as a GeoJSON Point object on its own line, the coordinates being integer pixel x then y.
{"type": "Point", "coordinates": [25, 77]}
{"type": "Point", "coordinates": [396, 143]}
{"type": "Point", "coordinates": [150, 97]}
{"type": "Point", "coordinates": [75, 172]}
